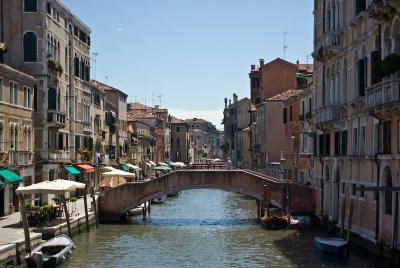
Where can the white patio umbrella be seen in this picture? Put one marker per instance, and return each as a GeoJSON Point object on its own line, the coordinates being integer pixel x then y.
{"type": "Point", "coordinates": [46, 187]}
{"type": "Point", "coordinates": [109, 168]}
{"type": "Point", "coordinates": [178, 164]}
{"type": "Point", "coordinates": [115, 178]}
{"type": "Point", "coordinates": [77, 185]}
{"type": "Point", "coordinates": [118, 173]}
{"type": "Point", "coordinates": [112, 181]}
{"type": "Point", "coordinates": [133, 166]}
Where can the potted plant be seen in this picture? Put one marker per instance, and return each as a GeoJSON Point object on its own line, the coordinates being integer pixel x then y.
{"type": "Point", "coordinates": [391, 63]}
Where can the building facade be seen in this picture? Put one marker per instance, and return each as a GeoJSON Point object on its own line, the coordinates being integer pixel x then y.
{"type": "Point", "coordinates": [16, 135]}
{"type": "Point", "coordinates": [357, 126]}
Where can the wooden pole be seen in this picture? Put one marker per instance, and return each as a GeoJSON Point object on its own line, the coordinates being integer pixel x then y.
{"type": "Point", "coordinates": [25, 223]}
{"type": "Point", "coordinates": [96, 216]}
{"type": "Point", "coordinates": [258, 201]}
{"type": "Point", "coordinates": [66, 215]}
{"type": "Point", "coordinates": [288, 199]}
{"type": "Point", "coordinates": [343, 215]}
{"type": "Point", "coordinates": [349, 221]}
{"type": "Point", "coordinates": [86, 208]}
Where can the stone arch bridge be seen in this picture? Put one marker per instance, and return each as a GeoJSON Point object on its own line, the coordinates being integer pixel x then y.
{"type": "Point", "coordinates": [116, 202]}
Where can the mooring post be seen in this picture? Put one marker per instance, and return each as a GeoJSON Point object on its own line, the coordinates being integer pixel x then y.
{"type": "Point", "coordinates": [258, 201]}
{"type": "Point", "coordinates": [144, 209]}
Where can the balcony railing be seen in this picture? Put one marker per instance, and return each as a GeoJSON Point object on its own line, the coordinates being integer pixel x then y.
{"type": "Point", "coordinates": [18, 157]}
{"type": "Point", "coordinates": [59, 155]}
{"type": "Point", "coordinates": [308, 115]}
{"type": "Point", "coordinates": [383, 93]}
{"type": "Point", "coordinates": [301, 117]}
{"type": "Point", "coordinates": [327, 46]}
{"type": "Point", "coordinates": [56, 118]}
{"type": "Point", "coordinates": [326, 114]}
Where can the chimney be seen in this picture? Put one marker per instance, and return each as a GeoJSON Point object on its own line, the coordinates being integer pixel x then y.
{"type": "Point", "coordinates": [230, 102]}
{"type": "Point", "coordinates": [235, 98]}
{"type": "Point", "coordinates": [226, 102]}
{"type": "Point", "coordinates": [297, 62]}
{"type": "Point", "coordinates": [261, 63]}
{"type": "Point", "coordinates": [253, 66]}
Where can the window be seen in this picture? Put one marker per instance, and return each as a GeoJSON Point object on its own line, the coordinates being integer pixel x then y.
{"type": "Point", "coordinates": [360, 6]}
{"type": "Point", "coordinates": [13, 93]}
{"type": "Point", "coordinates": [343, 141]}
{"type": "Point", "coordinates": [178, 142]}
{"type": "Point", "coordinates": [386, 138]}
{"type": "Point", "coordinates": [27, 97]}
{"type": "Point", "coordinates": [355, 142]}
{"type": "Point", "coordinates": [1, 89]}
{"type": "Point", "coordinates": [353, 189]}
{"type": "Point", "coordinates": [362, 193]}
{"type": "Point", "coordinates": [48, 8]}
{"type": "Point", "coordinates": [30, 47]}
{"type": "Point", "coordinates": [284, 115]}
{"type": "Point", "coordinates": [178, 129]}
{"type": "Point", "coordinates": [343, 188]}
{"type": "Point", "coordinates": [361, 65]}
{"type": "Point", "coordinates": [362, 141]}
{"type": "Point", "coordinates": [30, 6]}
{"type": "Point", "coordinates": [291, 113]}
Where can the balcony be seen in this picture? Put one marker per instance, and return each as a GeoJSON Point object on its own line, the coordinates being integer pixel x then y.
{"type": "Point", "coordinates": [87, 127]}
{"type": "Point", "coordinates": [327, 46]}
{"type": "Point", "coordinates": [301, 117]}
{"type": "Point", "coordinates": [324, 116]}
{"type": "Point", "coordinates": [56, 119]}
{"type": "Point", "coordinates": [381, 10]}
{"type": "Point", "coordinates": [308, 115]}
{"type": "Point", "coordinates": [383, 99]}
{"type": "Point", "coordinates": [18, 158]}
{"type": "Point", "coordinates": [59, 155]}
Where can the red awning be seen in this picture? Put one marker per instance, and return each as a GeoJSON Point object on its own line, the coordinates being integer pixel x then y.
{"type": "Point", "coordinates": [87, 168]}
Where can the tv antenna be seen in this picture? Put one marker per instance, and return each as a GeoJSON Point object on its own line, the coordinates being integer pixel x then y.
{"type": "Point", "coordinates": [160, 97]}
{"type": "Point", "coordinates": [284, 45]}
{"type": "Point", "coordinates": [307, 58]}
{"type": "Point", "coordinates": [106, 79]}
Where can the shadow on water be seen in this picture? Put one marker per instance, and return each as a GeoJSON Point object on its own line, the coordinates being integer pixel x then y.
{"type": "Point", "coordinates": [302, 241]}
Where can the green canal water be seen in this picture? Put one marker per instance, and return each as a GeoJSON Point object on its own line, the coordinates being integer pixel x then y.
{"type": "Point", "coordinates": [204, 228]}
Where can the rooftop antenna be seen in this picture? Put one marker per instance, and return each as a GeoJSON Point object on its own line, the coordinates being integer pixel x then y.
{"type": "Point", "coordinates": [152, 99]}
{"type": "Point", "coordinates": [307, 58]}
{"type": "Point", "coordinates": [160, 96]}
{"type": "Point", "coordinates": [106, 79]}
{"type": "Point", "coordinates": [94, 55]}
{"type": "Point", "coordinates": [284, 45]}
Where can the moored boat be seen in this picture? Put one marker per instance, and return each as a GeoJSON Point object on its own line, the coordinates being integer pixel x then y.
{"type": "Point", "coordinates": [275, 222]}
{"type": "Point", "coordinates": [51, 252]}
{"type": "Point", "coordinates": [333, 245]}
{"type": "Point", "coordinates": [159, 199]}
{"type": "Point", "coordinates": [300, 222]}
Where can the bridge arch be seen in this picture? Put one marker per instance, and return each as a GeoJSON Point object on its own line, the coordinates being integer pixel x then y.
{"type": "Point", "coordinates": [117, 201]}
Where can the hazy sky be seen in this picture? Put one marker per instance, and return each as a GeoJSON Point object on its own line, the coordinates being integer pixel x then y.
{"type": "Point", "coordinates": [192, 52]}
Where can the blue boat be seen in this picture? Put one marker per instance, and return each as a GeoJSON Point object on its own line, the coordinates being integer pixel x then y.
{"type": "Point", "coordinates": [333, 245]}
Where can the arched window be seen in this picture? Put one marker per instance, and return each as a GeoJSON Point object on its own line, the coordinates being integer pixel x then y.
{"type": "Point", "coordinates": [387, 176]}
{"type": "Point", "coordinates": [35, 98]}
{"type": "Point", "coordinates": [30, 5]}
{"type": "Point", "coordinates": [30, 47]}
{"type": "Point", "coordinates": [344, 82]}
{"type": "Point", "coordinates": [14, 137]}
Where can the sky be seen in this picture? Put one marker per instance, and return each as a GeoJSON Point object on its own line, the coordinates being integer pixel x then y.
{"type": "Point", "coordinates": [188, 55]}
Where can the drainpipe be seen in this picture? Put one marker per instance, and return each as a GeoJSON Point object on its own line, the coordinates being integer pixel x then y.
{"type": "Point", "coordinates": [2, 21]}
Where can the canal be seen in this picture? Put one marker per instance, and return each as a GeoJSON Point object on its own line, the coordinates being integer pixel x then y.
{"type": "Point", "coordinates": [204, 228]}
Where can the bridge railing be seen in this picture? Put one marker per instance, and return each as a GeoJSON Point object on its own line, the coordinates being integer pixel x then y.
{"type": "Point", "coordinates": [207, 166]}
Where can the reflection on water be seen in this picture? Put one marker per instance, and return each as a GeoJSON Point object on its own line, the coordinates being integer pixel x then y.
{"type": "Point", "coordinates": [203, 228]}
